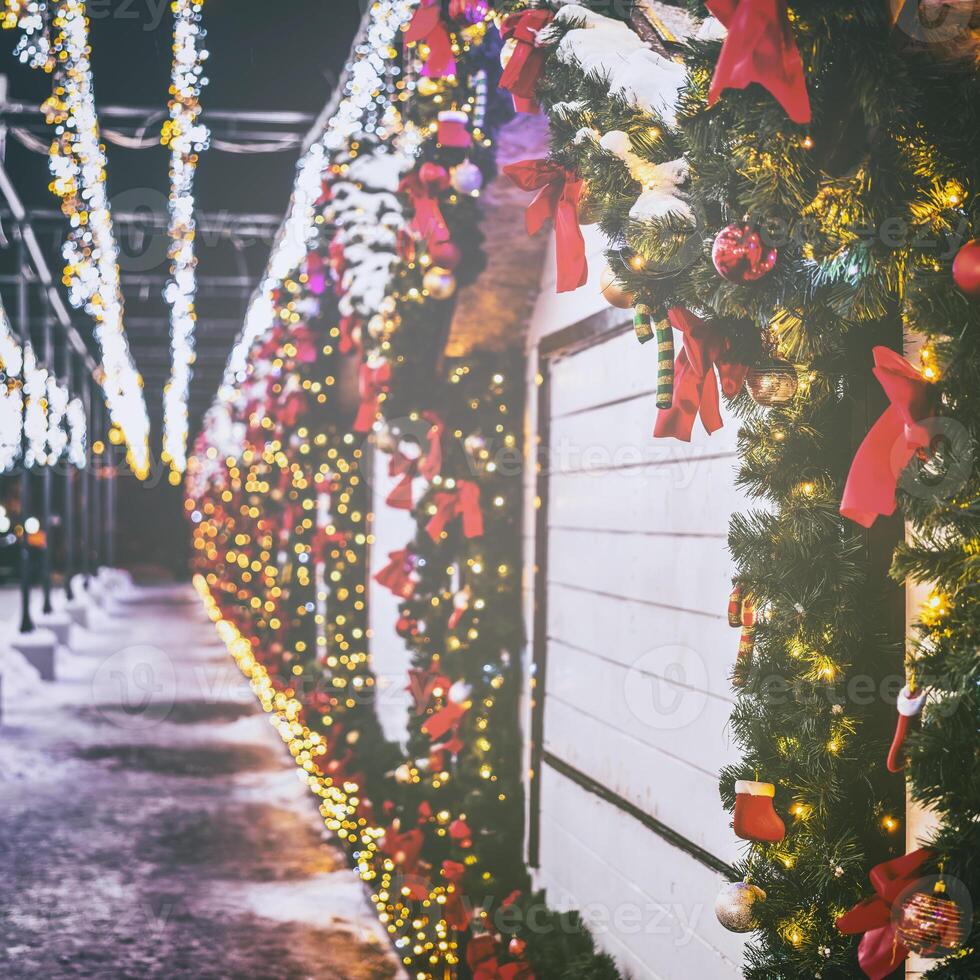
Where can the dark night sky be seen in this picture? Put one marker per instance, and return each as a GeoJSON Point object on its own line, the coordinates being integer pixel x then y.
{"type": "Point", "coordinates": [280, 56]}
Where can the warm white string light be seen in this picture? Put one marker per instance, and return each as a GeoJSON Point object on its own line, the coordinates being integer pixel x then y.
{"type": "Point", "coordinates": [54, 421]}
{"type": "Point", "coordinates": [187, 138]}
{"type": "Point", "coordinates": [365, 109]}
{"type": "Point", "coordinates": [78, 167]}
{"type": "Point", "coordinates": [77, 434]}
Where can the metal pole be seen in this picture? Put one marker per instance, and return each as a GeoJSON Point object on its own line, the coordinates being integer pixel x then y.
{"type": "Point", "coordinates": [96, 486]}
{"type": "Point", "coordinates": [110, 508]}
{"type": "Point", "coordinates": [84, 504]}
{"type": "Point", "coordinates": [23, 311]}
{"type": "Point", "coordinates": [68, 501]}
{"type": "Point", "coordinates": [47, 478]}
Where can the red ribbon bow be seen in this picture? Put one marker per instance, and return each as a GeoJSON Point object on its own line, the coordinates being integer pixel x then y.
{"type": "Point", "coordinates": [760, 47]}
{"type": "Point", "coordinates": [423, 187]}
{"type": "Point", "coordinates": [892, 442]}
{"type": "Point", "coordinates": [427, 25]}
{"type": "Point", "coordinates": [880, 951]}
{"type": "Point", "coordinates": [695, 388]}
{"type": "Point", "coordinates": [463, 502]}
{"type": "Point", "coordinates": [426, 465]}
{"type": "Point", "coordinates": [444, 720]}
{"type": "Point", "coordinates": [372, 383]}
{"type": "Point", "coordinates": [526, 64]}
{"type": "Point", "coordinates": [558, 195]}
{"type": "Point", "coordinates": [481, 957]}
{"type": "Point", "coordinates": [397, 574]}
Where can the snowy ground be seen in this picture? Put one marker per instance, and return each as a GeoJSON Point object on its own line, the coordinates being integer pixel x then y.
{"type": "Point", "coordinates": [151, 823]}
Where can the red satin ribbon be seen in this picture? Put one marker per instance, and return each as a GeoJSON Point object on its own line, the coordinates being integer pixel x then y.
{"type": "Point", "coordinates": [427, 465]}
{"type": "Point", "coordinates": [892, 442]}
{"type": "Point", "coordinates": [760, 47]}
{"type": "Point", "coordinates": [422, 684]}
{"type": "Point", "coordinates": [526, 64]}
{"type": "Point", "coordinates": [444, 720]}
{"type": "Point", "coordinates": [292, 408]}
{"type": "Point", "coordinates": [423, 187]}
{"type": "Point", "coordinates": [481, 957]}
{"type": "Point", "coordinates": [695, 387]}
{"type": "Point", "coordinates": [427, 26]}
{"type": "Point", "coordinates": [463, 502]}
{"type": "Point", "coordinates": [397, 574]}
{"type": "Point", "coordinates": [558, 195]}
{"type": "Point", "coordinates": [372, 383]}
{"type": "Point", "coordinates": [880, 951]}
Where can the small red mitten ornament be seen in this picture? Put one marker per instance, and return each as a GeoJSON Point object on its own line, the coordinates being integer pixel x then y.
{"type": "Point", "coordinates": [909, 706]}
{"type": "Point", "coordinates": [739, 255]}
{"type": "Point", "coordinates": [755, 818]}
{"type": "Point", "coordinates": [966, 269]}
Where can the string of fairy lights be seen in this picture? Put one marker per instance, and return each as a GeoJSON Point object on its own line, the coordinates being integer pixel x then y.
{"type": "Point", "coordinates": [187, 138]}
{"type": "Point", "coordinates": [56, 40]}
{"type": "Point", "coordinates": [367, 106]}
{"type": "Point", "coordinates": [34, 402]}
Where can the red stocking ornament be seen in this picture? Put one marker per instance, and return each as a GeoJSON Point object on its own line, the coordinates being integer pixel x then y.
{"type": "Point", "coordinates": [755, 818]}
{"type": "Point", "coordinates": [909, 706]}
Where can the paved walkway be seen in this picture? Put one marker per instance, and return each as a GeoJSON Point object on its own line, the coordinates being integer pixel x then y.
{"type": "Point", "coordinates": [152, 825]}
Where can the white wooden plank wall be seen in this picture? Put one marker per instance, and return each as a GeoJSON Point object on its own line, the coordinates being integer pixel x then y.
{"type": "Point", "coordinates": [639, 650]}
{"type": "Point", "coordinates": [392, 530]}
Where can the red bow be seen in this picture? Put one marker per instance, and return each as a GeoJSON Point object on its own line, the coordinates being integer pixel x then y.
{"type": "Point", "coordinates": [695, 389]}
{"type": "Point", "coordinates": [892, 441]}
{"type": "Point", "coordinates": [423, 684]}
{"type": "Point", "coordinates": [292, 408]}
{"type": "Point", "coordinates": [464, 502]}
{"type": "Point", "coordinates": [760, 47]}
{"type": "Point", "coordinates": [427, 25]}
{"type": "Point", "coordinates": [426, 465]}
{"type": "Point", "coordinates": [880, 951]}
{"type": "Point", "coordinates": [397, 574]}
{"type": "Point", "coordinates": [444, 720]}
{"type": "Point", "coordinates": [527, 62]}
{"type": "Point", "coordinates": [481, 956]}
{"type": "Point", "coordinates": [423, 186]}
{"type": "Point", "coordinates": [558, 195]}
{"type": "Point", "coordinates": [372, 382]}
{"type": "Point", "coordinates": [324, 539]}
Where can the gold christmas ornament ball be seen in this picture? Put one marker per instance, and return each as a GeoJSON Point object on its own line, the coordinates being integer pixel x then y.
{"type": "Point", "coordinates": [507, 51]}
{"type": "Point", "coordinates": [614, 292]}
{"type": "Point", "coordinates": [735, 906]}
{"type": "Point", "coordinates": [772, 384]}
{"type": "Point", "coordinates": [439, 283]}
{"type": "Point", "coordinates": [376, 326]}
{"type": "Point", "coordinates": [931, 924]}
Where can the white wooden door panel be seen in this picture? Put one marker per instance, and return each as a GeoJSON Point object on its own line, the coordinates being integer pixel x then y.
{"type": "Point", "coordinates": [638, 651]}
{"type": "Point", "coordinates": [692, 497]}
{"type": "Point", "coordinates": [623, 630]}
{"type": "Point", "coordinates": [650, 905]}
{"type": "Point", "coordinates": [692, 573]}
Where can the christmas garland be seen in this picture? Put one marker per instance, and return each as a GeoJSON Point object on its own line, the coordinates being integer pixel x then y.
{"type": "Point", "coordinates": [278, 494]}
{"type": "Point", "coordinates": [664, 149]}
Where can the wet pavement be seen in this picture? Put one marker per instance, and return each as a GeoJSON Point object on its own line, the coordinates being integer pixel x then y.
{"type": "Point", "coordinates": [152, 824]}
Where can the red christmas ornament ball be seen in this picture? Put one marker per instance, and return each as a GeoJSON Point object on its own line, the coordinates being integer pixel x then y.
{"type": "Point", "coordinates": [930, 924]}
{"type": "Point", "coordinates": [445, 254]}
{"type": "Point", "coordinates": [406, 626]}
{"type": "Point", "coordinates": [966, 269]}
{"type": "Point", "coordinates": [739, 255]}
{"type": "Point", "coordinates": [517, 947]}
